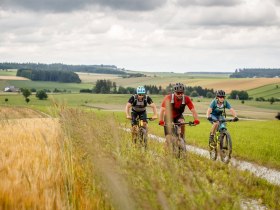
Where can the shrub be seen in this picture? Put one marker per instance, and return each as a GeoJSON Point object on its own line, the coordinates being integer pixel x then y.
{"type": "Point", "coordinates": [41, 94]}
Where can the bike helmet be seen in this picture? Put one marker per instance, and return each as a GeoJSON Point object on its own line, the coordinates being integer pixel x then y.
{"type": "Point", "coordinates": [220, 93]}
{"type": "Point", "coordinates": [179, 87]}
{"type": "Point", "coordinates": [140, 90]}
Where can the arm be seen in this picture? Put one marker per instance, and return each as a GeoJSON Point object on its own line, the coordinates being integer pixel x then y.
{"type": "Point", "coordinates": [154, 107]}
{"type": "Point", "coordinates": [232, 111]}
{"type": "Point", "coordinates": [161, 113]}
{"type": "Point", "coordinates": [127, 110]}
{"type": "Point", "coordinates": [209, 110]}
{"type": "Point", "coordinates": [194, 113]}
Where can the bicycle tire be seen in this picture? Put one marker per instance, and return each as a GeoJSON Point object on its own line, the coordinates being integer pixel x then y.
{"type": "Point", "coordinates": [225, 146]}
{"type": "Point", "coordinates": [213, 152]}
{"type": "Point", "coordinates": [182, 148]}
{"type": "Point", "coordinates": [144, 139]}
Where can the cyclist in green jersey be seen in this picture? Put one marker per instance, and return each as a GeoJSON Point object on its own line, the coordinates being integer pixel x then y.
{"type": "Point", "coordinates": [216, 111]}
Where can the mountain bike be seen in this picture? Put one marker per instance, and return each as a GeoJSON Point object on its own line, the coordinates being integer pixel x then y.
{"type": "Point", "coordinates": [178, 143]}
{"type": "Point", "coordinates": [141, 132]}
{"type": "Point", "coordinates": [223, 139]}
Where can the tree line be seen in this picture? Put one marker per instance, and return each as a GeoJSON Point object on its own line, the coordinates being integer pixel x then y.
{"type": "Point", "coordinates": [101, 69]}
{"type": "Point", "coordinates": [255, 72]}
{"type": "Point", "coordinates": [109, 87]}
{"type": "Point", "coordinates": [49, 75]}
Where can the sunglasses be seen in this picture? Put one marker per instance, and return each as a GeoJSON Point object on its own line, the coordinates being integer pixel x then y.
{"type": "Point", "coordinates": [221, 97]}
{"type": "Point", "coordinates": [140, 95]}
{"type": "Point", "coordinates": [179, 93]}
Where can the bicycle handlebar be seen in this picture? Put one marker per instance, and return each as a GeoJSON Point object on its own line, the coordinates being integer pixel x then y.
{"type": "Point", "coordinates": [224, 120]}
{"type": "Point", "coordinates": [184, 123]}
{"type": "Point", "coordinates": [147, 118]}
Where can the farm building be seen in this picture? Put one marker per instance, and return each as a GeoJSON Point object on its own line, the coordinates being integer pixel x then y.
{"type": "Point", "coordinates": [11, 89]}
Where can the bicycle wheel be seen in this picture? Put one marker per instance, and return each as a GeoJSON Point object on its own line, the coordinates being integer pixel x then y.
{"type": "Point", "coordinates": [144, 137]}
{"type": "Point", "coordinates": [213, 149]}
{"type": "Point", "coordinates": [181, 147]}
{"type": "Point", "coordinates": [175, 146]}
{"type": "Point", "coordinates": [225, 146]}
{"type": "Point", "coordinates": [135, 134]}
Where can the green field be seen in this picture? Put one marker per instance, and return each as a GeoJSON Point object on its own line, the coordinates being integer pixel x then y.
{"type": "Point", "coordinates": [106, 171]}
{"type": "Point", "coordinates": [8, 72]}
{"type": "Point", "coordinates": [39, 85]}
{"type": "Point", "coordinates": [266, 91]}
{"type": "Point", "coordinates": [250, 109]}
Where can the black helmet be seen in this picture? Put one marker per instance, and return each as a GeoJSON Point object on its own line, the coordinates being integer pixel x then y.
{"type": "Point", "coordinates": [220, 93]}
{"type": "Point", "coordinates": [179, 87]}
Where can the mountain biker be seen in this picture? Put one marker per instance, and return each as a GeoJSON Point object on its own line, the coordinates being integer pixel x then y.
{"type": "Point", "coordinates": [216, 111]}
{"type": "Point", "coordinates": [138, 104]}
{"type": "Point", "coordinates": [172, 109]}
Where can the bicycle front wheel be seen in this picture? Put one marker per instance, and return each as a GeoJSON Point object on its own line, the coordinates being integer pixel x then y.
{"type": "Point", "coordinates": [213, 149]}
{"type": "Point", "coordinates": [225, 146]}
{"type": "Point", "coordinates": [182, 147]}
{"type": "Point", "coordinates": [143, 137]}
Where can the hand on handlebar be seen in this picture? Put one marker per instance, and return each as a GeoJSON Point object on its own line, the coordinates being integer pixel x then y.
{"type": "Point", "coordinates": [209, 118]}
{"type": "Point", "coordinates": [154, 117]}
{"type": "Point", "coordinates": [235, 119]}
{"type": "Point", "coordinates": [196, 122]}
{"type": "Point", "coordinates": [161, 122]}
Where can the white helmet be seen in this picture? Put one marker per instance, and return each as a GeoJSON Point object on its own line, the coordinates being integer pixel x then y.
{"type": "Point", "coordinates": [140, 90]}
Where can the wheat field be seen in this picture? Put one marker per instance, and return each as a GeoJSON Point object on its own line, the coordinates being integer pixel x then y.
{"type": "Point", "coordinates": [31, 167]}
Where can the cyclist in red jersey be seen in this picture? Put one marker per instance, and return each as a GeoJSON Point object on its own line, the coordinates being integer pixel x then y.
{"type": "Point", "coordinates": [173, 107]}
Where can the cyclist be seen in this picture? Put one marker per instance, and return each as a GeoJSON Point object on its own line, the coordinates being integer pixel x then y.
{"type": "Point", "coordinates": [138, 103]}
{"type": "Point", "coordinates": [216, 111]}
{"type": "Point", "coordinates": [172, 109]}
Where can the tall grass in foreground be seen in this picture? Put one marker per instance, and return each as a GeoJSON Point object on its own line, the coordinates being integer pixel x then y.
{"type": "Point", "coordinates": [109, 172]}
{"type": "Point", "coordinates": [31, 167]}
{"type": "Point", "coordinates": [91, 164]}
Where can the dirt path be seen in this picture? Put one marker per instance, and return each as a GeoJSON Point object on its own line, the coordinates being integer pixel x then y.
{"type": "Point", "coordinates": [272, 176]}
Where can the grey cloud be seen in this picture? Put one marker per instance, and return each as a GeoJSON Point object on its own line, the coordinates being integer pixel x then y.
{"type": "Point", "coordinates": [72, 5]}
{"type": "Point", "coordinates": [208, 3]}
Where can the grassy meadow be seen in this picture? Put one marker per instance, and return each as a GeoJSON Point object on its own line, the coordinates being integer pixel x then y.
{"type": "Point", "coordinates": [68, 152]}
{"type": "Point", "coordinates": [82, 160]}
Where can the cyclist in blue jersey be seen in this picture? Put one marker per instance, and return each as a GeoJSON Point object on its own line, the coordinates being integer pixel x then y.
{"type": "Point", "coordinates": [217, 111]}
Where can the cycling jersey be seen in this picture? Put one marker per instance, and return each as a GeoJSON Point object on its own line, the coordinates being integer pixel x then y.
{"type": "Point", "coordinates": [139, 106]}
{"type": "Point", "coordinates": [178, 105]}
{"type": "Point", "coordinates": [218, 109]}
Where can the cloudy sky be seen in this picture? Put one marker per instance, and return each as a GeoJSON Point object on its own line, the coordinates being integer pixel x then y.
{"type": "Point", "coordinates": [148, 35]}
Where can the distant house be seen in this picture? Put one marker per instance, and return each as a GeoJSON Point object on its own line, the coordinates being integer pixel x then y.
{"type": "Point", "coordinates": [11, 89]}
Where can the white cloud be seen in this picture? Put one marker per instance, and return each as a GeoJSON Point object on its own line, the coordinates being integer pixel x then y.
{"type": "Point", "coordinates": [173, 35]}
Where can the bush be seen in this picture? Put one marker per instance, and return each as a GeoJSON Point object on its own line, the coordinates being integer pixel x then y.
{"type": "Point", "coordinates": [41, 94]}
{"type": "Point", "coordinates": [278, 116]}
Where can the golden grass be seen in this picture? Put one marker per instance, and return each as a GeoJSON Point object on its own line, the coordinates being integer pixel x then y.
{"type": "Point", "coordinates": [18, 113]}
{"type": "Point", "coordinates": [237, 84]}
{"type": "Point", "coordinates": [92, 78]}
{"type": "Point", "coordinates": [12, 78]}
{"type": "Point", "coordinates": [228, 84]}
{"type": "Point", "coordinates": [31, 168]}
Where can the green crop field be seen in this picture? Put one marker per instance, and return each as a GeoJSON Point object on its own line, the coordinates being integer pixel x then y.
{"type": "Point", "coordinates": [40, 85]}
{"type": "Point", "coordinates": [250, 109]}
{"type": "Point", "coordinates": [266, 91]}
{"type": "Point", "coordinates": [8, 72]}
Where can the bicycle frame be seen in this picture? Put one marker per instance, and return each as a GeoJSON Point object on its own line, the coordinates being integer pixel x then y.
{"type": "Point", "coordinates": [141, 131]}
{"type": "Point", "coordinates": [177, 141]}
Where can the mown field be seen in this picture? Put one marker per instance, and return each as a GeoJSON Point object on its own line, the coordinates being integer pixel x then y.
{"type": "Point", "coordinates": [82, 160]}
